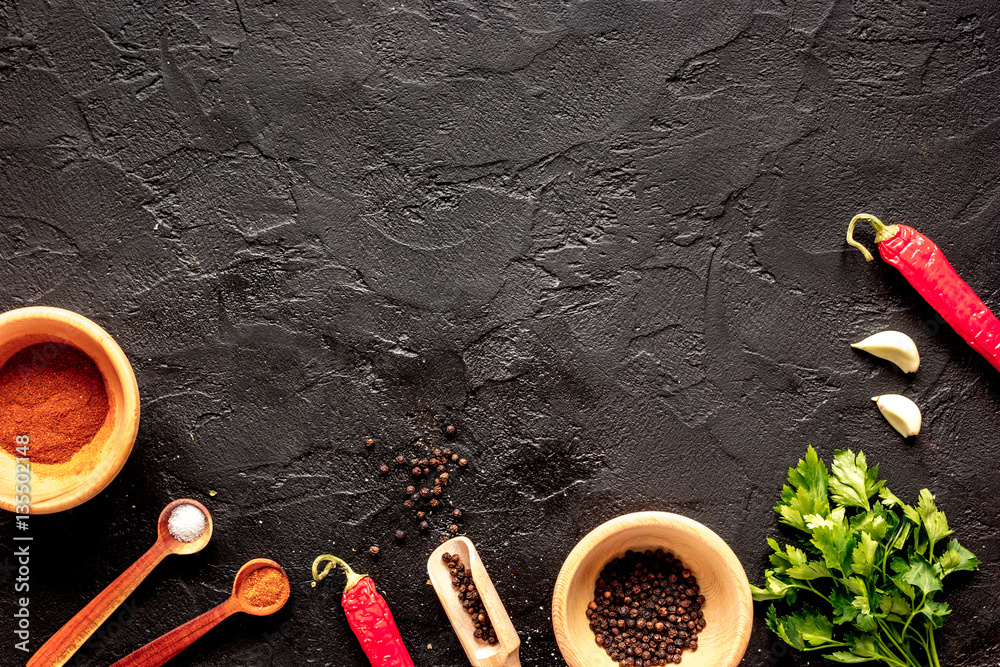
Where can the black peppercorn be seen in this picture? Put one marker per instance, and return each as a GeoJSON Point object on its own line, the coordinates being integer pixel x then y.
{"type": "Point", "coordinates": [384, 469]}
{"type": "Point", "coordinates": [400, 534]}
{"type": "Point", "coordinates": [424, 526]}
{"type": "Point", "coordinates": [374, 551]}
{"type": "Point", "coordinates": [449, 430]}
{"type": "Point", "coordinates": [457, 513]}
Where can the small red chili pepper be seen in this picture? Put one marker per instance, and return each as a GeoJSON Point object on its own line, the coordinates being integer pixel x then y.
{"type": "Point", "coordinates": [368, 615]}
{"type": "Point", "coordinates": [926, 268]}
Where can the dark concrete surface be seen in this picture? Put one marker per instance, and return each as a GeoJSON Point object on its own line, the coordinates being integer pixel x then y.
{"type": "Point", "coordinates": [603, 239]}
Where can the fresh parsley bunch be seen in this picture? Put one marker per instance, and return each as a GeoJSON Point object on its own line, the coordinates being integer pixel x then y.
{"type": "Point", "coordinates": [862, 585]}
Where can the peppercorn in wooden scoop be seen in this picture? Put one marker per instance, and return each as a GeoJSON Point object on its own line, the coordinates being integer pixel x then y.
{"type": "Point", "coordinates": [481, 653]}
{"type": "Point", "coordinates": [261, 588]}
{"type": "Point", "coordinates": [184, 527]}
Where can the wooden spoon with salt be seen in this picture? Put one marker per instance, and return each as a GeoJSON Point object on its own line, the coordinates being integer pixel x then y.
{"type": "Point", "coordinates": [261, 588]}
{"type": "Point", "coordinates": [505, 652]}
{"type": "Point", "coordinates": [61, 646]}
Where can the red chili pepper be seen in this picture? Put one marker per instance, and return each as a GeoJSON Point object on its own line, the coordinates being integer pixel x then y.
{"type": "Point", "coordinates": [368, 615]}
{"type": "Point", "coordinates": [926, 268]}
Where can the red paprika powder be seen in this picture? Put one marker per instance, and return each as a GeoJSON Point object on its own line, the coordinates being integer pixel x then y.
{"type": "Point", "coordinates": [55, 394]}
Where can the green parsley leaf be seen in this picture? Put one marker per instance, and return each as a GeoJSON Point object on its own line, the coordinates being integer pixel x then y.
{"type": "Point", "coordinates": [843, 656]}
{"type": "Point", "coordinates": [852, 483]}
{"type": "Point", "coordinates": [843, 606]}
{"type": "Point", "coordinates": [805, 493]}
{"type": "Point", "coordinates": [935, 612]}
{"type": "Point", "coordinates": [894, 604]}
{"type": "Point", "coordinates": [863, 562]}
{"type": "Point", "coordinates": [890, 500]}
{"type": "Point", "coordinates": [922, 575]}
{"type": "Point", "coordinates": [806, 627]}
{"type": "Point", "coordinates": [874, 522]}
{"type": "Point", "coordinates": [832, 536]}
{"type": "Point", "coordinates": [956, 557]}
{"type": "Point", "coordinates": [774, 588]}
{"type": "Point", "coordinates": [809, 571]}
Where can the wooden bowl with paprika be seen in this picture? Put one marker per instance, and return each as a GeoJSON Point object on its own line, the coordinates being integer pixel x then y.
{"type": "Point", "coordinates": [69, 410]}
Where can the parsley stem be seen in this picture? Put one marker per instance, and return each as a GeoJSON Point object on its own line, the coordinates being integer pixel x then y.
{"type": "Point", "coordinates": [897, 641]}
{"type": "Point", "coordinates": [932, 649]}
{"type": "Point", "coordinates": [923, 598]}
{"type": "Point", "coordinates": [889, 656]}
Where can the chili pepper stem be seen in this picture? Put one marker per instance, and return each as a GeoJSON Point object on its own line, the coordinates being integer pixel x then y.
{"type": "Point", "coordinates": [331, 563]}
{"type": "Point", "coordinates": [882, 233]}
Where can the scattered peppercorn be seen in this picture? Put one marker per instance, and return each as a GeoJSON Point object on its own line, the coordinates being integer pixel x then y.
{"type": "Point", "coordinates": [468, 595]}
{"type": "Point", "coordinates": [424, 526]}
{"type": "Point", "coordinates": [400, 534]}
{"type": "Point", "coordinates": [369, 442]}
{"type": "Point", "coordinates": [431, 459]}
{"type": "Point", "coordinates": [646, 609]}
{"type": "Point", "coordinates": [374, 551]}
{"type": "Point", "coordinates": [457, 513]}
{"type": "Point", "coordinates": [453, 528]}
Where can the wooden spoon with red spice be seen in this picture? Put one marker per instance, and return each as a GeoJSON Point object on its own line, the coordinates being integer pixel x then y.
{"type": "Point", "coordinates": [61, 646]}
{"type": "Point", "coordinates": [261, 588]}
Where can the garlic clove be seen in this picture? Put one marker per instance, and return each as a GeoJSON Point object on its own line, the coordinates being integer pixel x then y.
{"type": "Point", "coordinates": [893, 346]}
{"type": "Point", "coordinates": [901, 412]}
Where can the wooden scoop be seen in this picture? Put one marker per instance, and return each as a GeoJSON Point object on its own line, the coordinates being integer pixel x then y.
{"type": "Point", "coordinates": [161, 650]}
{"type": "Point", "coordinates": [505, 652]}
{"type": "Point", "coordinates": [63, 644]}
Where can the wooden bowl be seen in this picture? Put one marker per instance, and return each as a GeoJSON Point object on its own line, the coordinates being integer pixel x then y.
{"type": "Point", "coordinates": [728, 609]}
{"type": "Point", "coordinates": [61, 486]}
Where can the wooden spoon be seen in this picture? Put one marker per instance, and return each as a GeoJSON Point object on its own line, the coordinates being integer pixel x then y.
{"type": "Point", "coordinates": [505, 652]}
{"type": "Point", "coordinates": [63, 644]}
{"type": "Point", "coordinates": [161, 650]}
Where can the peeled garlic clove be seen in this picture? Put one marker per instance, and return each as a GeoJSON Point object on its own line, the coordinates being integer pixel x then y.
{"type": "Point", "coordinates": [893, 346]}
{"type": "Point", "coordinates": [901, 412]}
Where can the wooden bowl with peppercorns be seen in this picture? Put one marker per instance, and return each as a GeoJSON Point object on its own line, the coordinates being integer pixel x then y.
{"type": "Point", "coordinates": [69, 410]}
{"type": "Point", "coordinates": [650, 587]}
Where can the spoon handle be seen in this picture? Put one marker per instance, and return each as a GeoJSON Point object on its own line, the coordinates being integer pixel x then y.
{"type": "Point", "coordinates": [162, 649]}
{"type": "Point", "coordinates": [61, 646]}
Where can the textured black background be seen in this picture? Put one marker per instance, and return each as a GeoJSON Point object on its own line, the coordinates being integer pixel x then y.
{"type": "Point", "coordinates": [604, 239]}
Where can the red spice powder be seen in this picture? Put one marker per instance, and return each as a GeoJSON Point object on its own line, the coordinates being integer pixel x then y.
{"type": "Point", "coordinates": [263, 587]}
{"type": "Point", "coordinates": [53, 393]}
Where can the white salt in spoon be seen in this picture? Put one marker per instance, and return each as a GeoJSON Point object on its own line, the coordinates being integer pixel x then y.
{"type": "Point", "coordinates": [505, 652]}
{"type": "Point", "coordinates": [58, 650]}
